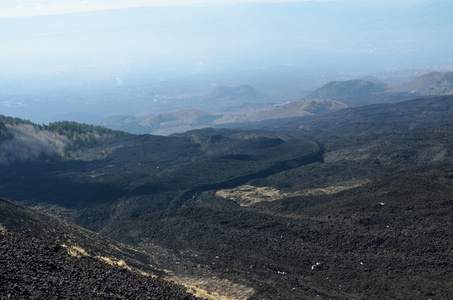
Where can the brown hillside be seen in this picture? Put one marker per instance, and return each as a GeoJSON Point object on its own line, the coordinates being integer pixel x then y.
{"type": "Point", "coordinates": [434, 83]}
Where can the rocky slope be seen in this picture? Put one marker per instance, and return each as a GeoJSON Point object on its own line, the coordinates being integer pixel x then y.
{"type": "Point", "coordinates": [38, 269]}
{"type": "Point", "coordinates": [336, 224]}
{"type": "Point", "coordinates": [362, 210]}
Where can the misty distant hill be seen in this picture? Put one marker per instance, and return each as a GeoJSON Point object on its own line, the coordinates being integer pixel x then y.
{"type": "Point", "coordinates": [189, 119]}
{"type": "Point", "coordinates": [340, 89]}
{"type": "Point", "coordinates": [202, 112]}
{"type": "Point", "coordinates": [434, 83]}
{"type": "Point", "coordinates": [186, 116]}
{"type": "Point", "coordinates": [371, 79]}
{"type": "Point", "coordinates": [234, 94]}
{"type": "Point", "coordinates": [163, 123]}
{"type": "Point", "coordinates": [181, 120]}
{"type": "Point", "coordinates": [365, 91]}
{"type": "Point", "coordinates": [286, 110]}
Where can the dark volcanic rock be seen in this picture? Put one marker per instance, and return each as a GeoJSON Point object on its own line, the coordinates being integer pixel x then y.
{"type": "Point", "coordinates": [36, 269]}
{"type": "Point", "coordinates": [388, 234]}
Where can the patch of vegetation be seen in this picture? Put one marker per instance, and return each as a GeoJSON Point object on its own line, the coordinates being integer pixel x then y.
{"type": "Point", "coordinates": [72, 129]}
{"type": "Point", "coordinates": [5, 134]}
{"type": "Point", "coordinates": [79, 134]}
{"type": "Point", "coordinates": [14, 121]}
{"type": "Point", "coordinates": [55, 141]}
{"type": "Point", "coordinates": [237, 93]}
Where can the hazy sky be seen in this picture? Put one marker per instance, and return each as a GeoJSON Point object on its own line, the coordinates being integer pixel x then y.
{"type": "Point", "coordinates": [175, 37]}
{"type": "Point", "coordinates": [10, 8]}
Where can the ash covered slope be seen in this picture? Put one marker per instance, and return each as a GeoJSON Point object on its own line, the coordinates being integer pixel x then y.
{"type": "Point", "coordinates": [41, 268]}
{"type": "Point", "coordinates": [387, 235]}
{"type": "Point", "coordinates": [275, 246]}
{"type": "Point", "coordinates": [388, 239]}
{"type": "Point", "coordinates": [20, 219]}
{"type": "Point", "coordinates": [128, 184]}
{"type": "Point", "coordinates": [168, 168]}
{"type": "Point", "coordinates": [370, 119]}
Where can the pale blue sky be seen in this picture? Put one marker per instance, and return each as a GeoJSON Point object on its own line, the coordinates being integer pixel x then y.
{"type": "Point", "coordinates": [10, 8]}
{"type": "Point", "coordinates": [338, 35]}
